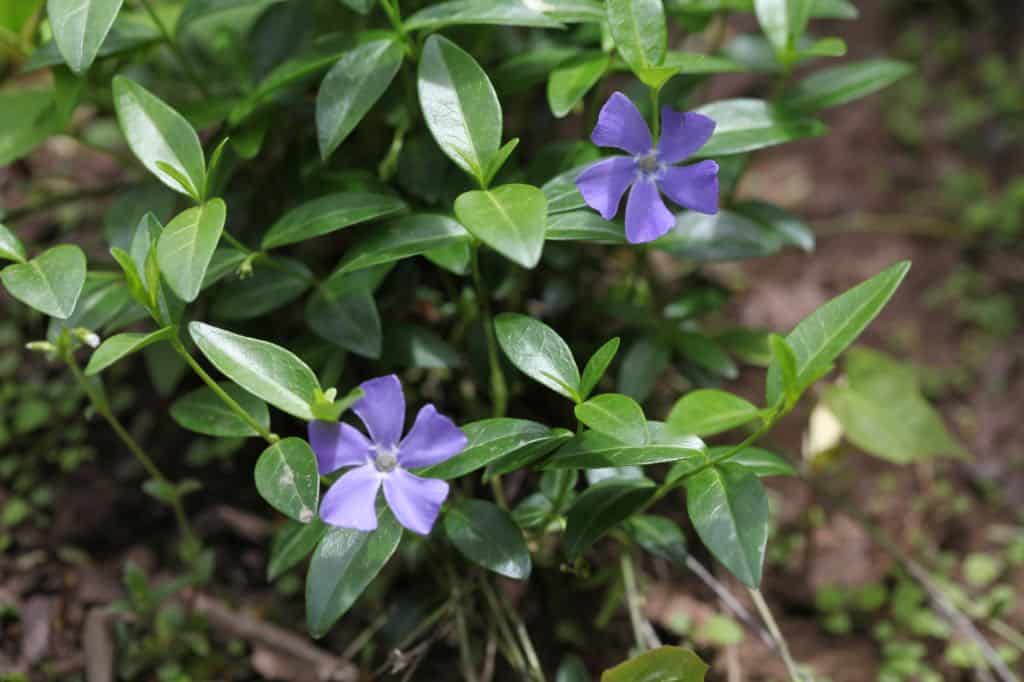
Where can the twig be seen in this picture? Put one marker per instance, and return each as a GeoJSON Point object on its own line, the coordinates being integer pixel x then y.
{"type": "Point", "coordinates": [773, 628]}
{"type": "Point", "coordinates": [729, 601]}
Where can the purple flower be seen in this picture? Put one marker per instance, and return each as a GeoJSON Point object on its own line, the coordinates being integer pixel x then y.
{"type": "Point", "coordinates": [384, 460]}
{"type": "Point", "coordinates": [649, 168]}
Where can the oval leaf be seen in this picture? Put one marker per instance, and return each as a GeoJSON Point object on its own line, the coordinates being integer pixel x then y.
{"type": "Point", "coordinates": [639, 30]}
{"type": "Point", "coordinates": [204, 412]}
{"type": "Point", "coordinates": [841, 84]}
{"type": "Point", "coordinates": [743, 125]}
{"type": "Point", "coordinates": [260, 367]}
{"type": "Point", "coordinates": [287, 478]}
{"type": "Point", "coordinates": [410, 236]}
{"type": "Point", "coordinates": [600, 508]}
{"type": "Point", "coordinates": [510, 219]}
{"type": "Point", "coordinates": [159, 135]}
{"type": "Point", "coordinates": [615, 415]}
{"type": "Point", "coordinates": [665, 664]}
{"type": "Point", "coordinates": [708, 411]}
{"type": "Point", "coordinates": [597, 365]}
{"type": "Point", "coordinates": [539, 352]}
{"type": "Point", "coordinates": [51, 282]}
{"type": "Point", "coordinates": [570, 82]}
{"type": "Point", "coordinates": [487, 441]}
{"type": "Point", "coordinates": [328, 214]}
{"type": "Point", "coordinates": [117, 347]}
{"type": "Point", "coordinates": [11, 247]}
{"type": "Point", "coordinates": [186, 247]}
{"type": "Point", "coordinates": [79, 27]}
{"type": "Point", "coordinates": [488, 536]}
{"type": "Point", "coordinates": [292, 544]}
{"type": "Point", "coordinates": [496, 12]}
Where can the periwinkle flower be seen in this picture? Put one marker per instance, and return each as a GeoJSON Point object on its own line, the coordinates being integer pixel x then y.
{"type": "Point", "coordinates": [649, 168]}
{"type": "Point", "coordinates": [383, 460]}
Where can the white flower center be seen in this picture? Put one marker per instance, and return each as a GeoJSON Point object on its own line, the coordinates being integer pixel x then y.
{"type": "Point", "coordinates": [648, 166]}
{"type": "Point", "coordinates": [386, 461]}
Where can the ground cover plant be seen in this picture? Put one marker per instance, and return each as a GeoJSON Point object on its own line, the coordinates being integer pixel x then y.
{"type": "Point", "coordinates": [440, 283]}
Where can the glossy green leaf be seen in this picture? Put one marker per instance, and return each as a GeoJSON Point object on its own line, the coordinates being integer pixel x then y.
{"type": "Point", "coordinates": [79, 28]}
{"type": "Point", "coordinates": [597, 365]}
{"type": "Point", "coordinates": [743, 125]}
{"type": "Point", "coordinates": [459, 105]}
{"type": "Point", "coordinates": [528, 454]}
{"type": "Point", "coordinates": [658, 535]}
{"type": "Point", "coordinates": [583, 226]}
{"type": "Point", "coordinates": [342, 566]}
{"type": "Point", "coordinates": [161, 138]}
{"type": "Point", "coordinates": [287, 478]}
{"type": "Point", "coordinates": [705, 352]}
{"type": "Point", "coordinates": [293, 543]}
{"type": "Point", "coordinates": [641, 366]}
{"type": "Point", "coordinates": [11, 247]}
{"type": "Point", "coordinates": [538, 352]}
{"type": "Point", "coordinates": [219, 12]}
{"type": "Point", "coordinates": [186, 247]}
{"type": "Point", "coordinates": [27, 117]}
{"type": "Point", "coordinates": [665, 664]}
{"type": "Point", "coordinates": [351, 87]}
{"type": "Point", "coordinates": [328, 214]}
{"type": "Point", "coordinates": [821, 336]}
{"type": "Point", "coordinates": [495, 12]}
{"type": "Point", "coordinates": [271, 286]}
{"type": "Point", "coordinates": [412, 235]}
{"type": "Point", "coordinates": [562, 193]}
{"type": "Point", "coordinates": [572, 669]}
{"type": "Point", "coordinates": [694, 63]}
{"type": "Point", "coordinates": [783, 21]}
{"type": "Point", "coordinates": [758, 460]}
{"type": "Point", "coordinates": [488, 441]}
{"type": "Point", "coordinates": [708, 411]}
{"type": "Point", "coordinates": [639, 30]}
{"type": "Point", "coordinates": [511, 219]}
{"type": "Point", "coordinates": [122, 345]}
{"type": "Point", "coordinates": [595, 450]}
{"type": "Point", "coordinates": [105, 304]}
{"type": "Point", "coordinates": [348, 319]}
{"type": "Point", "coordinates": [785, 227]}
{"type": "Point", "coordinates": [615, 415]}
{"type": "Point", "coordinates": [727, 235]}
{"type": "Point", "coordinates": [729, 510]}
{"type": "Point", "coordinates": [600, 508]}
{"type": "Point", "coordinates": [204, 412]}
{"type": "Point", "coordinates": [841, 84]}
{"type": "Point", "coordinates": [124, 36]}
{"type": "Point", "coordinates": [571, 81]}
{"type": "Point", "coordinates": [785, 359]}
{"type": "Point", "coordinates": [488, 536]}
{"type": "Point", "coordinates": [264, 369]}
{"type": "Point", "coordinates": [51, 282]}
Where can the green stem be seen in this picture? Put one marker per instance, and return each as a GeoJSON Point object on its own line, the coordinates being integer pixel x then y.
{"type": "Point", "coordinates": [776, 633]}
{"type": "Point", "coordinates": [227, 400]}
{"type": "Point", "coordinates": [632, 599]}
{"type": "Point", "coordinates": [499, 389]}
{"type": "Point", "coordinates": [514, 652]}
{"type": "Point", "coordinates": [655, 118]}
{"type": "Point", "coordinates": [102, 407]}
{"type": "Point", "coordinates": [182, 58]}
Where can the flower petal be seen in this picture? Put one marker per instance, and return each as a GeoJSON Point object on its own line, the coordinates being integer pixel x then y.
{"type": "Point", "coordinates": [432, 439]}
{"type": "Point", "coordinates": [350, 501]}
{"type": "Point", "coordinates": [682, 134]}
{"type": "Point", "coordinates": [415, 501]}
{"type": "Point", "coordinates": [620, 125]}
{"type": "Point", "coordinates": [337, 445]}
{"type": "Point", "coordinates": [694, 187]}
{"type": "Point", "coordinates": [646, 215]}
{"type": "Point", "coordinates": [382, 409]}
{"type": "Point", "coordinates": [603, 184]}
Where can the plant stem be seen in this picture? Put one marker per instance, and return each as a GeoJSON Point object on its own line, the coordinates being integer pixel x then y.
{"type": "Point", "coordinates": [102, 407]}
{"type": "Point", "coordinates": [182, 58]}
{"type": "Point", "coordinates": [514, 652]}
{"type": "Point", "coordinates": [655, 118]}
{"type": "Point", "coordinates": [632, 599]}
{"type": "Point", "coordinates": [499, 389]}
{"type": "Point", "coordinates": [773, 628]}
{"type": "Point", "coordinates": [227, 400]}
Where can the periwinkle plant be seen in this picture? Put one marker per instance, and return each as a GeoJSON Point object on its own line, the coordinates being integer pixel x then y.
{"type": "Point", "coordinates": [273, 203]}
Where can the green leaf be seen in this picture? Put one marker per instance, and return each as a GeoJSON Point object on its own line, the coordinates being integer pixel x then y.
{"type": "Point", "coordinates": [157, 134]}
{"type": "Point", "coordinates": [27, 117]}
{"type": "Point", "coordinates": [532, 451]}
{"type": "Point", "coordinates": [271, 286]}
{"type": "Point", "coordinates": [539, 352]}
{"type": "Point", "coordinates": [758, 460]}
{"type": "Point", "coordinates": [597, 365]}
{"type": "Point", "coordinates": [264, 369]}
{"type": "Point", "coordinates": [583, 226]}
{"type": "Point", "coordinates": [361, 6]}
{"type": "Point", "coordinates": [727, 235]}
{"type": "Point", "coordinates": [841, 84]}
{"type": "Point", "coordinates": [743, 125]}
{"type": "Point", "coordinates": [639, 30]}
{"type": "Point", "coordinates": [493, 12]}
{"type": "Point", "coordinates": [783, 21]}
{"type": "Point", "coordinates": [729, 510]}
{"type": "Point", "coordinates": [784, 358]}
{"type": "Point", "coordinates": [820, 337]}
{"type": "Point", "coordinates": [293, 543]}
{"type": "Point", "coordinates": [705, 352]}
{"type": "Point", "coordinates": [329, 214]}
{"type": "Point", "coordinates": [51, 282]}
{"type": "Point", "coordinates": [406, 237]}
{"type": "Point", "coordinates": [343, 565]}
{"type": "Point", "coordinates": [595, 450]}
{"type": "Point", "coordinates": [459, 105]}
{"type": "Point", "coordinates": [488, 536]}
{"type": "Point", "coordinates": [643, 363]}
{"type": "Point", "coordinates": [122, 345]}
{"type": "Point", "coordinates": [204, 412]}
{"type": "Point", "coordinates": [600, 508]}
{"type": "Point", "coordinates": [79, 28]}
{"type": "Point", "coordinates": [571, 81]}
{"type": "Point", "coordinates": [186, 247]}
{"type": "Point", "coordinates": [488, 441]}
{"type": "Point", "coordinates": [708, 411]}
{"type": "Point", "coordinates": [563, 195]}
{"type": "Point", "coordinates": [695, 63]}
{"type": "Point", "coordinates": [11, 247]}
{"type": "Point", "coordinates": [572, 669]}
{"type": "Point", "coordinates": [104, 304]}
{"type": "Point", "coordinates": [883, 411]}
{"type": "Point", "coordinates": [615, 415]}
{"type": "Point", "coordinates": [409, 345]}
{"type": "Point", "coordinates": [351, 87]}
{"type": "Point", "coordinates": [124, 36]}
{"type": "Point", "coordinates": [348, 319]}
{"type": "Point", "coordinates": [665, 664]}
{"type": "Point", "coordinates": [784, 225]}
{"type": "Point", "coordinates": [660, 536]}
{"type": "Point", "coordinates": [287, 478]}
{"type": "Point", "coordinates": [511, 219]}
